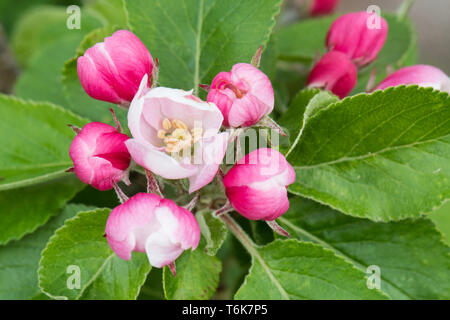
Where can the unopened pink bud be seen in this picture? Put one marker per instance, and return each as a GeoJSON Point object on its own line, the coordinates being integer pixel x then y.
{"type": "Point", "coordinates": [335, 73]}
{"type": "Point", "coordinates": [112, 70]}
{"type": "Point", "coordinates": [322, 7]}
{"type": "Point", "coordinates": [99, 155]}
{"type": "Point", "coordinates": [244, 95]}
{"type": "Point", "coordinates": [151, 224]}
{"type": "Point", "coordinates": [360, 35]}
{"type": "Point", "coordinates": [257, 184]}
{"type": "Point", "coordinates": [422, 75]}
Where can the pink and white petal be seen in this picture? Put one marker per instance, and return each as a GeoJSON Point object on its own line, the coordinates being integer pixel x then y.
{"type": "Point", "coordinates": [246, 111]}
{"type": "Point", "coordinates": [93, 82]}
{"type": "Point", "coordinates": [259, 165]}
{"type": "Point", "coordinates": [157, 161]}
{"type": "Point", "coordinates": [111, 142]}
{"type": "Point", "coordinates": [259, 204]}
{"type": "Point", "coordinates": [184, 229]}
{"type": "Point", "coordinates": [139, 127]}
{"type": "Point", "coordinates": [211, 153]}
{"type": "Point", "coordinates": [160, 250]}
{"type": "Point", "coordinates": [170, 103]}
{"type": "Point", "coordinates": [259, 83]}
{"type": "Point", "coordinates": [130, 223]}
{"type": "Point", "coordinates": [222, 101]}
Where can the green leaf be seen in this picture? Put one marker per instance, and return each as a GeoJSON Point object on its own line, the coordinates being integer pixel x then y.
{"type": "Point", "coordinates": [19, 260]}
{"type": "Point", "coordinates": [213, 231]}
{"type": "Point", "coordinates": [80, 243]}
{"type": "Point", "coordinates": [78, 100]}
{"type": "Point", "coordinates": [383, 156]}
{"type": "Point", "coordinates": [300, 270]}
{"type": "Point", "coordinates": [33, 184]}
{"type": "Point", "coordinates": [37, 149]}
{"type": "Point", "coordinates": [196, 39]}
{"type": "Point", "coordinates": [47, 62]}
{"type": "Point", "coordinates": [41, 81]}
{"type": "Point", "coordinates": [305, 104]}
{"type": "Point", "coordinates": [197, 276]}
{"type": "Point", "coordinates": [43, 25]}
{"type": "Point", "coordinates": [23, 210]}
{"type": "Point", "coordinates": [302, 41]}
{"type": "Point", "coordinates": [441, 218]}
{"type": "Point", "coordinates": [110, 12]}
{"type": "Point", "coordinates": [413, 261]}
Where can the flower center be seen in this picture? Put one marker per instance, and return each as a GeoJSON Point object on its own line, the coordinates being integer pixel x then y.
{"type": "Point", "coordinates": [238, 92]}
{"type": "Point", "coordinates": [176, 136]}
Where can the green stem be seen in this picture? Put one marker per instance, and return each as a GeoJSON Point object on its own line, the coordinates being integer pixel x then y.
{"type": "Point", "coordinates": [240, 234]}
{"type": "Point", "coordinates": [403, 10]}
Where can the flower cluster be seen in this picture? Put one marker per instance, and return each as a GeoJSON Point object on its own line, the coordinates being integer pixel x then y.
{"type": "Point", "coordinates": [175, 135]}
{"type": "Point", "coordinates": [354, 41]}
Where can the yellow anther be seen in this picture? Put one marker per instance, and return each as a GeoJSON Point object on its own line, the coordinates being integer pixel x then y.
{"type": "Point", "coordinates": [179, 124]}
{"type": "Point", "coordinates": [197, 133]}
{"type": "Point", "coordinates": [166, 124]}
{"type": "Point", "coordinates": [162, 134]}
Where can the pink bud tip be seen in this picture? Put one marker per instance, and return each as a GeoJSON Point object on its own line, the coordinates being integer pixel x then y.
{"type": "Point", "coordinates": [422, 75]}
{"type": "Point", "coordinates": [112, 70]}
{"type": "Point", "coordinates": [256, 185]}
{"type": "Point", "coordinates": [100, 157]}
{"type": "Point", "coordinates": [244, 95]}
{"type": "Point", "coordinates": [148, 223]}
{"type": "Point", "coordinates": [360, 35]}
{"type": "Point", "coordinates": [335, 73]}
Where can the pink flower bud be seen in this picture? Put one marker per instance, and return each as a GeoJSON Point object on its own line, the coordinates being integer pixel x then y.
{"type": "Point", "coordinates": [244, 95]}
{"type": "Point", "coordinates": [256, 185]}
{"type": "Point", "coordinates": [151, 224]}
{"type": "Point", "coordinates": [359, 35]}
{"type": "Point", "coordinates": [322, 7]}
{"type": "Point", "coordinates": [335, 73]}
{"type": "Point", "coordinates": [99, 155]}
{"type": "Point", "coordinates": [422, 75]}
{"type": "Point", "coordinates": [112, 70]}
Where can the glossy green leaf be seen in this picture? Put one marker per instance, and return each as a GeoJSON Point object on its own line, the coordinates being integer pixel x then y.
{"type": "Point", "coordinates": [300, 270]}
{"type": "Point", "coordinates": [414, 262]}
{"type": "Point", "coordinates": [305, 104]}
{"type": "Point", "coordinates": [80, 243]}
{"type": "Point", "coordinates": [441, 218]}
{"type": "Point", "coordinates": [196, 39]}
{"type": "Point", "coordinates": [19, 260]}
{"type": "Point", "coordinates": [213, 231]}
{"type": "Point", "coordinates": [197, 276]}
{"type": "Point", "coordinates": [383, 156]}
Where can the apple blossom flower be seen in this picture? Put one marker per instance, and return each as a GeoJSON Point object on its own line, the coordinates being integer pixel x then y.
{"type": "Point", "coordinates": [422, 75]}
{"type": "Point", "coordinates": [321, 7]}
{"type": "Point", "coordinates": [112, 70]}
{"type": "Point", "coordinates": [148, 223]}
{"type": "Point", "coordinates": [358, 35]}
{"type": "Point", "coordinates": [244, 95]}
{"type": "Point", "coordinates": [256, 185]}
{"type": "Point", "coordinates": [99, 155]}
{"type": "Point", "coordinates": [334, 72]}
{"type": "Point", "coordinates": [176, 135]}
